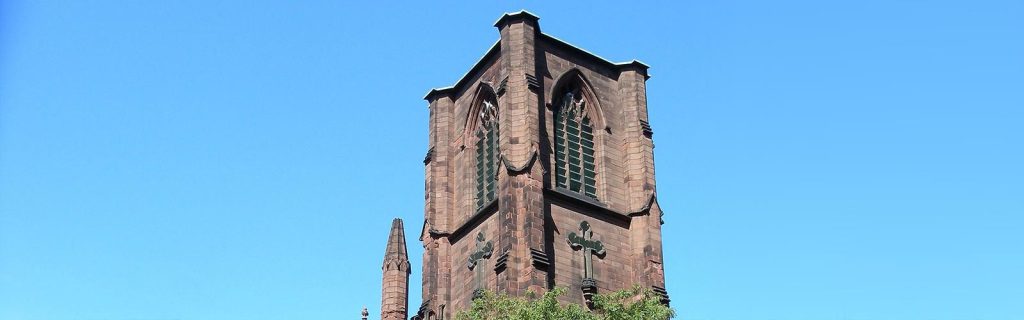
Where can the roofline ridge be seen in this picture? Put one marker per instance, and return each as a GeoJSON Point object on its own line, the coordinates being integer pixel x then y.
{"type": "Point", "coordinates": [497, 44]}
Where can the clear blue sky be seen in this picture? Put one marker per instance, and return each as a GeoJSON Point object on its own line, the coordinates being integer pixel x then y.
{"type": "Point", "coordinates": [243, 160]}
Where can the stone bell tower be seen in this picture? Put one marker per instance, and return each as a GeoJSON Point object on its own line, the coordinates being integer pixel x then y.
{"type": "Point", "coordinates": [539, 174]}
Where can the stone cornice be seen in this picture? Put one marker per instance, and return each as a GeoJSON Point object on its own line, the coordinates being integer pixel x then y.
{"type": "Point", "coordinates": [550, 40]}
{"type": "Point", "coordinates": [514, 16]}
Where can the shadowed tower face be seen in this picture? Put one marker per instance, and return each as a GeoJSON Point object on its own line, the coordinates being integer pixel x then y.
{"type": "Point", "coordinates": [395, 294]}
{"type": "Point", "coordinates": [539, 174]}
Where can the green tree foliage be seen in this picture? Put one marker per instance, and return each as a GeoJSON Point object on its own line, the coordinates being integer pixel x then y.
{"type": "Point", "coordinates": [633, 304]}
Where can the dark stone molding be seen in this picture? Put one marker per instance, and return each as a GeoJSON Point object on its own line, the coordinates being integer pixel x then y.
{"type": "Point", "coordinates": [486, 211]}
{"type": "Point", "coordinates": [502, 87]}
{"type": "Point", "coordinates": [429, 156]}
{"type": "Point", "coordinates": [588, 56]}
{"type": "Point", "coordinates": [661, 292]}
{"type": "Point", "coordinates": [646, 128]}
{"type": "Point", "coordinates": [431, 232]}
{"type": "Point", "coordinates": [635, 65]}
{"type": "Point", "coordinates": [424, 311]}
{"type": "Point", "coordinates": [495, 50]}
{"type": "Point", "coordinates": [651, 199]}
{"type": "Point", "coordinates": [501, 262]}
{"type": "Point", "coordinates": [646, 209]}
{"type": "Point", "coordinates": [589, 288]}
{"type": "Point", "coordinates": [436, 93]}
{"type": "Point", "coordinates": [589, 284]}
{"type": "Point", "coordinates": [428, 232]}
{"type": "Point", "coordinates": [539, 258]}
{"type": "Point", "coordinates": [516, 16]}
{"type": "Point", "coordinates": [434, 233]}
{"type": "Point", "coordinates": [532, 83]}
{"type": "Point", "coordinates": [513, 169]}
{"type": "Point", "coordinates": [596, 209]}
{"type": "Point", "coordinates": [491, 53]}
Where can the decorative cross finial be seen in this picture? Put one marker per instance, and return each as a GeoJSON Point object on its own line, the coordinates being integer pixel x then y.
{"type": "Point", "coordinates": [483, 251]}
{"type": "Point", "coordinates": [585, 242]}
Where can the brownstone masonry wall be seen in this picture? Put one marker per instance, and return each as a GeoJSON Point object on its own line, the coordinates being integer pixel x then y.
{"type": "Point", "coordinates": [528, 226]}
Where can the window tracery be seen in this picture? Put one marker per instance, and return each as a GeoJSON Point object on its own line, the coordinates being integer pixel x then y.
{"type": "Point", "coordinates": [575, 165]}
{"type": "Point", "coordinates": [487, 153]}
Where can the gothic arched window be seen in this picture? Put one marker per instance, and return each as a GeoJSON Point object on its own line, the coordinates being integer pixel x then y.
{"type": "Point", "coordinates": [574, 145]}
{"type": "Point", "coordinates": [486, 153]}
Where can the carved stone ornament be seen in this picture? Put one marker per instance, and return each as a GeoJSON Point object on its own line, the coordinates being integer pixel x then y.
{"type": "Point", "coordinates": [488, 114]}
{"type": "Point", "coordinates": [483, 251]}
{"type": "Point", "coordinates": [584, 241]}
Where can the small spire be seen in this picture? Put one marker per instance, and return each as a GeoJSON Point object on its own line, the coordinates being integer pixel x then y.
{"type": "Point", "coordinates": [366, 313]}
{"type": "Point", "coordinates": [396, 269]}
{"type": "Point", "coordinates": [396, 250]}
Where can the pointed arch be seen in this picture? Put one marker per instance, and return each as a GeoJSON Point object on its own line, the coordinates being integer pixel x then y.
{"type": "Point", "coordinates": [577, 113]}
{"type": "Point", "coordinates": [483, 92]}
{"type": "Point", "coordinates": [574, 77]}
{"type": "Point", "coordinates": [483, 133]}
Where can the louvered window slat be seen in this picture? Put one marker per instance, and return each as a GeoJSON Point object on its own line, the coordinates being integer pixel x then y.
{"type": "Point", "coordinates": [487, 153]}
{"type": "Point", "coordinates": [574, 147]}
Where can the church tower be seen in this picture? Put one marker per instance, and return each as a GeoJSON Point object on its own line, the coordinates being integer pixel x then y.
{"type": "Point", "coordinates": [539, 174]}
{"type": "Point", "coordinates": [395, 294]}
